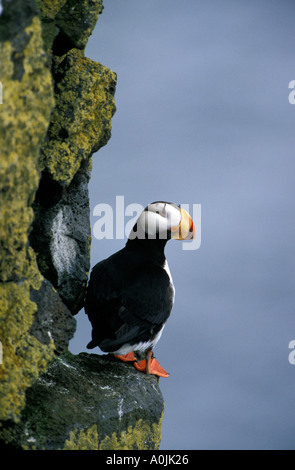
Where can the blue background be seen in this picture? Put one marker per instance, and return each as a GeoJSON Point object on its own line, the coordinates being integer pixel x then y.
{"type": "Point", "coordinates": [203, 117]}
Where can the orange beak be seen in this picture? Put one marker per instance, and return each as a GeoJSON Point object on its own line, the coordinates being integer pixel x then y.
{"type": "Point", "coordinates": [186, 229]}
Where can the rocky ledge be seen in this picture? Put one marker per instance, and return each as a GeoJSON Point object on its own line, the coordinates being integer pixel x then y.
{"type": "Point", "coordinates": [89, 402]}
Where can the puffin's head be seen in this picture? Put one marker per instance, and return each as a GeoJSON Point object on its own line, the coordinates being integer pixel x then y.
{"type": "Point", "coordinates": [163, 220]}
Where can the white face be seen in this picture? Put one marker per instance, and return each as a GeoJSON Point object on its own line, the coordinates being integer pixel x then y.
{"type": "Point", "coordinates": [158, 218]}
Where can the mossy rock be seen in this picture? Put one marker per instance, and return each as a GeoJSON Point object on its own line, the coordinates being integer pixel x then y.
{"type": "Point", "coordinates": [24, 118]}
{"type": "Point", "coordinates": [81, 121]}
{"type": "Point", "coordinates": [89, 401]}
{"type": "Point", "coordinates": [67, 24]}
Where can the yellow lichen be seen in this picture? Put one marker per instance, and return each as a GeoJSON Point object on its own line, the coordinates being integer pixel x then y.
{"type": "Point", "coordinates": [23, 356]}
{"type": "Point", "coordinates": [83, 440]}
{"type": "Point", "coordinates": [81, 121]}
{"type": "Point", "coordinates": [24, 117]}
{"type": "Point", "coordinates": [69, 16]}
{"type": "Point", "coordinates": [50, 8]}
{"type": "Point", "coordinates": [138, 437]}
{"type": "Point", "coordinates": [141, 436]}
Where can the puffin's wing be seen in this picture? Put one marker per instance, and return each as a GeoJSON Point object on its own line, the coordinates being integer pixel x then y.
{"type": "Point", "coordinates": [122, 313]}
{"type": "Point", "coordinates": [146, 302]}
{"type": "Point", "coordinates": [147, 297]}
{"type": "Point", "coordinates": [102, 302]}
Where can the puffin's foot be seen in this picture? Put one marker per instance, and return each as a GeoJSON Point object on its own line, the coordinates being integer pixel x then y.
{"type": "Point", "coordinates": [150, 366]}
{"type": "Point", "coordinates": [130, 357]}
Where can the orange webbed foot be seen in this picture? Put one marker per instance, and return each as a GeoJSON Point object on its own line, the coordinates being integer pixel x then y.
{"type": "Point", "coordinates": [150, 366]}
{"type": "Point", "coordinates": [140, 365]}
{"type": "Point", "coordinates": [157, 369]}
{"type": "Point", "coordinates": [130, 357]}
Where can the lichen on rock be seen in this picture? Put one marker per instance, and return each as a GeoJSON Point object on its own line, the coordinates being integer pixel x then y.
{"type": "Point", "coordinates": [24, 118]}
{"type": "Point", "coordinates": [80, 124]}
{"type": "Point", "coordinates": [81, 121]}
{"type": "Point", "coordinates": [39, 91]}
{"type": "Point", "coordinates": [24, 357]}
{"type": "Point", "coordinates": [142, 436]}
{"type": "Point", "coordinates": [25, 112]}
{"type": "Point", "coordinates": [67, 24]}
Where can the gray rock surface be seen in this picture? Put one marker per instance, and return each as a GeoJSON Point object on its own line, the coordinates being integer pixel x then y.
{"type": "Point", "coordinates": [61, 235]}
{"type": "Point", "coordinates": [52, 320]}
{"type": "Point", "coordinates": [90, 402]}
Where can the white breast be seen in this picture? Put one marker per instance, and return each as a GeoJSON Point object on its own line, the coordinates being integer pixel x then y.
{"type": "Point", "coordinates": [166, 267]}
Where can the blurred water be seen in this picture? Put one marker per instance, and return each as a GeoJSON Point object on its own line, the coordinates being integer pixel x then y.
{"type": "Point", "coordinates": [203, 117]}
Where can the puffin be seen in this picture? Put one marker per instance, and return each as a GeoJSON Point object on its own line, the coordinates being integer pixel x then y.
{"type": "Point", "coordinates": [130, 294]}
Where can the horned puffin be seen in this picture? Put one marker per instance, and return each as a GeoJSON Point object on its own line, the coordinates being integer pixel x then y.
{"type": "Point", "coordinates": [130, 295]}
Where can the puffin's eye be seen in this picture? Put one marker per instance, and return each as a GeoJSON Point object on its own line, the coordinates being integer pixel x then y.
{"type": "Point", "coordinates": [162, 213]}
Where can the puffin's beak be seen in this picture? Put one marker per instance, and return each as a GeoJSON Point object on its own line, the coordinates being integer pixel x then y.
{"type": "Point", "coordinates": [186, 229]}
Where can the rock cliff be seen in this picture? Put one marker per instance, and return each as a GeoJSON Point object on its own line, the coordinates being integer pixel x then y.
{"type": "Point", "coordinates": [56, 111]}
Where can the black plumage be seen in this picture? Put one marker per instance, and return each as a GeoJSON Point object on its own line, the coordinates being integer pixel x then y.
{"type": "Point", "coordinates": [129, 297]}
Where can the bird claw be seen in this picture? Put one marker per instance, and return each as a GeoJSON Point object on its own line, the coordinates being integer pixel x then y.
{"type": "Point", "coordinates": [153, 368]}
